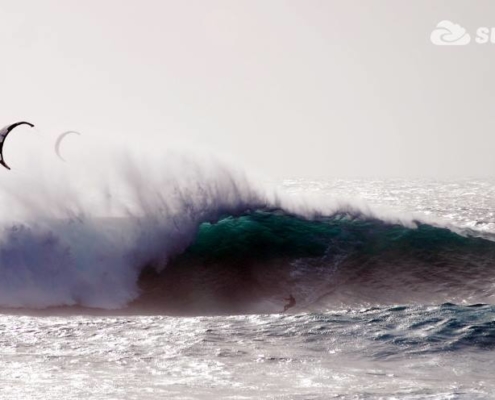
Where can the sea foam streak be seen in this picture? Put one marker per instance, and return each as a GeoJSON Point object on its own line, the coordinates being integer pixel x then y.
{"type": "Point", "coordinates": [80, 233]}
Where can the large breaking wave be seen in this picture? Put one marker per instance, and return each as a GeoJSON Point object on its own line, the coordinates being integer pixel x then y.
{"type": "Point", "coordinates": [253, 261]}
{"type": "Point", "coordinates": [153, 229]}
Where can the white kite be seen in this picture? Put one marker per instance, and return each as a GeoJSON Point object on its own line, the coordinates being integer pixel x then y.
{"type": "Point", "coordinates": [59, 141]}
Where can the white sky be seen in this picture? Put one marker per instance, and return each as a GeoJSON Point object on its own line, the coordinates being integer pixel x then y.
{"type": "Point", "coordinates": [292, 88]}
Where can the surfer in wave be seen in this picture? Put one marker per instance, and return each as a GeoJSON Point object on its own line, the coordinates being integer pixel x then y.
{"type": "Point", "coordinates": [291, 302]}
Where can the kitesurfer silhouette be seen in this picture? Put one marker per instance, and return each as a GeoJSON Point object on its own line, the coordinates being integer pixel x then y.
{"type": "Point", "coordinates": [291, 302]}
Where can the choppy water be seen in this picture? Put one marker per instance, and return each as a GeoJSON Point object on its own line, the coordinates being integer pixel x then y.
{"type": "Point", "coordinates": [374, 349]}
{"type": "Point", "coordinates": [441, 352]}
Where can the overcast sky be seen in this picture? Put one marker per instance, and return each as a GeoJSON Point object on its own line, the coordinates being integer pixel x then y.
{"type": "Point", "coordinates": [291, 88]}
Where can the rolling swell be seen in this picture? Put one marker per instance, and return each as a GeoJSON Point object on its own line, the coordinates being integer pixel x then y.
{"type": "Point", "coordinates": [250, 262]}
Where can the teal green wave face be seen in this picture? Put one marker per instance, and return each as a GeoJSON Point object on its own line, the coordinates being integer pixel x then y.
{"type": "Point", "coordinates": [246, 261]}
{"type": "Point", "coordinates": [264, 235]}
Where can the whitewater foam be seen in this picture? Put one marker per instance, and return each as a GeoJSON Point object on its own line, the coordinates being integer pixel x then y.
{"type": "Point", "coordinates": [78, 233]}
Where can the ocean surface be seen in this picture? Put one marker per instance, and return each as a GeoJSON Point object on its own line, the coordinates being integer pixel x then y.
{"type": "Point", "coordinates": [174, 288]}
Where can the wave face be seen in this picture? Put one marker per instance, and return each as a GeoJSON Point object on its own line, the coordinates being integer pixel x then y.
{"type": "Point", "coordinates": [252, 261]}
{"type": "Point", "coordinates": [154, 229]}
